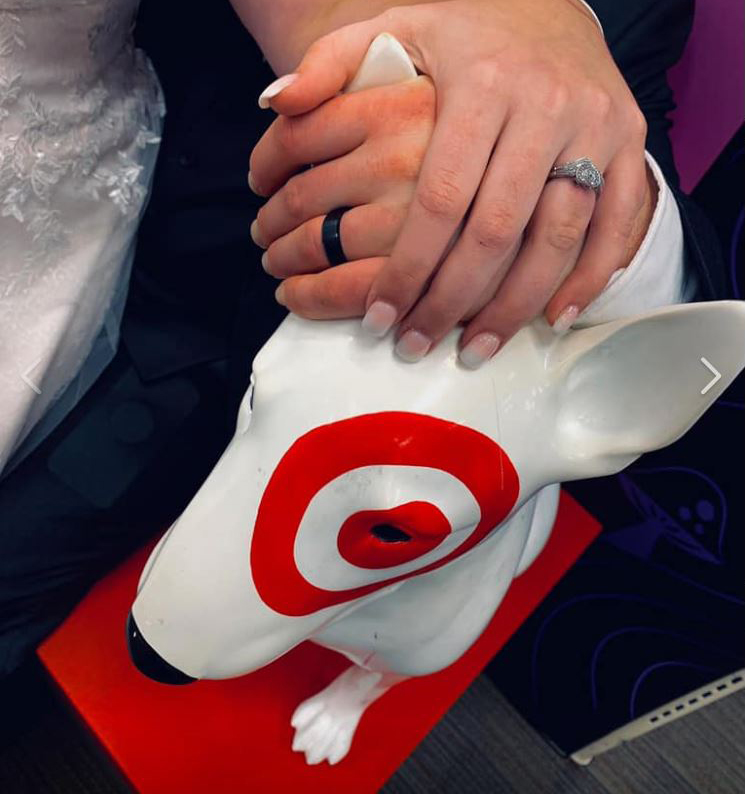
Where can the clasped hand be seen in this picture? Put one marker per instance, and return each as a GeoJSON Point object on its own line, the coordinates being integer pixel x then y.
{"type": "Point", "coordinates": [452, 219]}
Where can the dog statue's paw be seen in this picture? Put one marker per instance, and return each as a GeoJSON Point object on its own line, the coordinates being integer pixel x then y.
{"type": "Point", "coordinates": [325, 724]}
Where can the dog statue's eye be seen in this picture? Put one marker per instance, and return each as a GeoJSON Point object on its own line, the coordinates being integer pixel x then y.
{"type": "Point", "coordinates": [390, 534]}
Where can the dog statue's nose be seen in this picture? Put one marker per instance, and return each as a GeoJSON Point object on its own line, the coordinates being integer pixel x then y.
{"type": "Point", "coordinates": [148, 662]}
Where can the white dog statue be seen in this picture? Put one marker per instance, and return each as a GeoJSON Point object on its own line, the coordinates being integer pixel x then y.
{"type": "Point", "coordinates": [382, 509]}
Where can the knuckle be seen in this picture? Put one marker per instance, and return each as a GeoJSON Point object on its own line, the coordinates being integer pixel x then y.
{"type": "Point", "coordinates": [319, 45]}
{"type": "Point", "coordinates": [326, 45]}
{"type": "Point", "coordinates": [411, 109]}
{"type": "Point", "coordinates": [292, 297]}
{"type": "Point", "coordinates": [421, 94]}
{"type": "Point", "coordinates": [312, 245]}
{"type": "Point", "coordinates": [398, 164]}
{"type": "Point", "coordinates": [541, 85]}
{"type": "Point", "coordinates": [495, 229]}
{"type": "Point", "coordinates": [405, 164]}
{"type": "Point", "coordinates": [390, 216]}
{"type": "Point", "coordinates": [441, 196]}
{"type": "Point", "coordinates": [262, 238]}
{"type": "Point", "coordinates": [637, 123]}
{"type": "Point", "coordinates": [390, 16]}
{"type": "Point", "coordinates": [555, 99]}
{"type": "Point", "coordinates": [387, 220]}
{"type": "Point", "coordinates": [484, 76]}
{"type": "Point", "coordinates": [270, 261]}
{"type": "Point", "coordinates": [293, 198]}
{"type": "Point", "coordinates": [286, 134]}
{"type": "Point", "coordinates": [396, 20]}
{"type": "Point", "coordinates": [565, 233]}
{"type": "Point", "coordinates": [599, 102]}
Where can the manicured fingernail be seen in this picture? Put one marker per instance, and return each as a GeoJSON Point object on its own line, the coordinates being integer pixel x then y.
{"type": "Point", "coordinates": [379, 318]}
{"type": "Point", "coordinates": [479, 350]}
{"type": "Point", "coordinates": [252, 184]}
{"type": "Point", "coordinates": [265, 261]}
{"type": "Point", "coordinates": [256, 235]}
{"type": "Point", "coordinates": [413, 346]}
{"type": "Point", "coordinates": [275, 88]}
{"type": "Point", "coordinates": [565, 319]}
{"type": "Point", "coordinates": [279, 295]}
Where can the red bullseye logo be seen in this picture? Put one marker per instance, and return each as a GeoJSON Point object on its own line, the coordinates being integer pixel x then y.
{"type": "Point", "coordinates": [421, 524]}
{"type": "Point", "coordinates": [373, 539]}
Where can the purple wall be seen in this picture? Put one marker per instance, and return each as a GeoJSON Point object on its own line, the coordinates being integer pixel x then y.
{"type": "Point", "coordinates": [709, 86]}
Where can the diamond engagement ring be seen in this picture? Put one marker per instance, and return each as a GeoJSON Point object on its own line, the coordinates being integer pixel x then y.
{"type": "Point", "coordinates": [583, 171]}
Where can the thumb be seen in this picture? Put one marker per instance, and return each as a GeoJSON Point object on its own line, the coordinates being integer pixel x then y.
{"type": "Point", "coordinates": [326, 68]}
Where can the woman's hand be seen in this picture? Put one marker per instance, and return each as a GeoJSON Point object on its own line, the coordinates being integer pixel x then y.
{"type": "Point", "coordinates": [520, 87]}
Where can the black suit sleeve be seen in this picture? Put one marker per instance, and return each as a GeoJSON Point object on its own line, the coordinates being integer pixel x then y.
{"type": "Point", "coordinates": [646, 38]}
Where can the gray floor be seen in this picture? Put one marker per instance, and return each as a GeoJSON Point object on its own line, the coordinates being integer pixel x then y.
{"type": "Point", "coordinates": [482, 746]}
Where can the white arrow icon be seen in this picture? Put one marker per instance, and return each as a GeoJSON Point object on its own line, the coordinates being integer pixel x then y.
{"type": "Point", "coordinates": [25, 377]}
{"type": "Point", "coordinates": [717, 374]}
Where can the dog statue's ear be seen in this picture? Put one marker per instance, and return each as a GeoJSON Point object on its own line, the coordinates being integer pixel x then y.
{"type": "Point", "coordinates": [385, 63]}
{"type": "Point", "coordinates": [640, 383]}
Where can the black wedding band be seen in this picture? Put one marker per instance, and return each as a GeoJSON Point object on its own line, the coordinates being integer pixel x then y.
{"type": "Point", "coordinates": [331, 236]}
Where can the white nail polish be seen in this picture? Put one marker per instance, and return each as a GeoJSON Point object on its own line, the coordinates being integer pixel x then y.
{"type": "Point", "coordinates": [565, 319]}
{"type": "Point", "coordinates": [379, 318]}
{"type": "Point", "coordinates": [265, 261]}
{"type": "Point", "coordinates": [413, 346]}
{"type": "Point", "coordinates": [275, 88]}
{"type": "Point", "coordinates": [279, 295]}
{"type": "Point", "coordinates": [479, 350]}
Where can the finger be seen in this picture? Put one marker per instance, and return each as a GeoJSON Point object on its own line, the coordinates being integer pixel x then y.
{"type": "Point", "coordinates": [512, 186]}
{"type": "Point", "coordinates": [375, 169]}
{"type": "Point", "coordinates": [339, 126]}
{"type": "Point", "coordinates": [550, 249]}
{"type": "Point", "coordinates": [491, 288]}
{"type": "Point", "coordinates": [327, 67]}
{"type": "Point", "coordinates": [365, 231]}
{"type": "Point", "coordinates": [611, 240]}
{"type": "Point", "coordinates": [310, 194]}
{"type": "Point", "coordinates": [334, 129]}
{"type": "Point", "coordinates": [334, 294]}
{"type": "Point", "coordinates": [451, 172]}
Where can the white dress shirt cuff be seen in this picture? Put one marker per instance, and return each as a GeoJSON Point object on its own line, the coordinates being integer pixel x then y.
{"type": "Point", "coordinates": [655, 276]}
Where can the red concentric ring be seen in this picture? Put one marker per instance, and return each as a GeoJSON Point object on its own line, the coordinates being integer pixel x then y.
{"type": "Point", "coordinates": [328, 451]}
{"type": "Point", "coordinates": [423, 522]}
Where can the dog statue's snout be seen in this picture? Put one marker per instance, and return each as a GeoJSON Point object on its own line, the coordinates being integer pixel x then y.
{"type": "Point", "coordinates": [149, 662]}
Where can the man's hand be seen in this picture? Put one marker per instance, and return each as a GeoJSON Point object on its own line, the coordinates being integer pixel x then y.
{"type": "Point", "coordinates": [520, 87]}
{"type": "Point", "coordinates": [369, 147]}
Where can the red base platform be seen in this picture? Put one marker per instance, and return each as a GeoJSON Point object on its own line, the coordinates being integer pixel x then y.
{"type": "Point", "coordinates": [230, 737]}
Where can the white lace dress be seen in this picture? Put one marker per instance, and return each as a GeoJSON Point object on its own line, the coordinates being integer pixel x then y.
{"type": "Point", "coordinates": [80, 119]}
